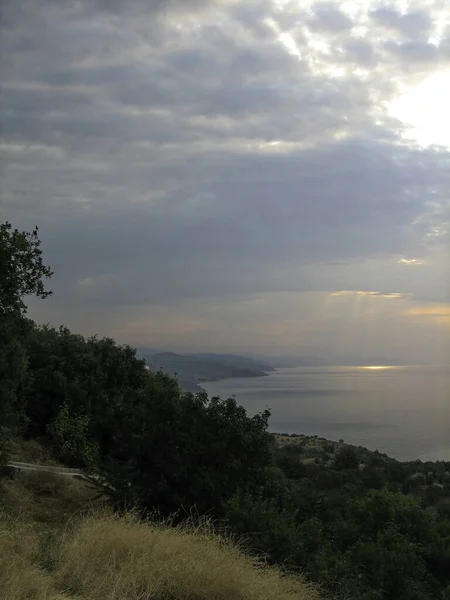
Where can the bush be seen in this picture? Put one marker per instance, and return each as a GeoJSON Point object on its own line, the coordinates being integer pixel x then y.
{"type": "Point", "coordinates": [346, 458]}
{"type": "Point", "coordinates": [5, 447]}
{"type": "Point", "coordinates": [179, 450]}
{"type": "Point", "coordinates": [71, 441]}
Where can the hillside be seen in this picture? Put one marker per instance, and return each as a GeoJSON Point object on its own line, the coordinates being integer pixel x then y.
{"type": "Point", "coordinates": [330, 506]}
{"type": "Point", "coordinates": [191, 369]}
{"type": "Point", "coordinates": [57, 540]}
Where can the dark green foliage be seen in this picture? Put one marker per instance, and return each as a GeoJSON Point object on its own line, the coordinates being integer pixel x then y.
{"type": "Point", "coordinates": [373, 477]}
{"type": "Point", "coordinates": [21, 274]}
{"type": "Point", "coordinates": [347, 530]}
{"type": "Point", "coordinates": [70, 437]}
{"type": "Point", "coordinates": [289, 459]}
{"type": "Point", "coordinates": [188, 450]}
{"type": "Point", "coordinates": [4, 446]}
{"type": "Point", "coordinates": [13, 370]}
{"type": "Point", "coordinates": [346, 458]}
{"type": "Point", "coordinates": [21, 269]}
{"type": "Point", "coordinates": [94, 377]}
{"type": "Point", "coordinates": [95, 398]}
{"type": "Point", "coordinates": [269, 528]}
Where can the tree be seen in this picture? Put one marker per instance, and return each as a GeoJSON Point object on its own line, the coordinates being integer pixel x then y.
{"type": "Point", "coordinates": [183, 450]}
{"type": "Point", "coordinates": [13, 370]}
{"type": "Point", "coordinates": [21, 274]}
{"type": "Point", "coordinates": [21, 269]}
{"type": "Point", "coordinates": [70, 437]}
{"type": "Point", "coordinates": [4, 448]}
{"type": "Point", "coordinates": [346, 458]}
{"type": "Point", "coordinates": [175, 449]}
{"type": "Point", "coordinates": [94, 377]}
{"type": "Point", "coordinates": [266, 527]}
{"type": "Point", "coordinates": [289, 458]}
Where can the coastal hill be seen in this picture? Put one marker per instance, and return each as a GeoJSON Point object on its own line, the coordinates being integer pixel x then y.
{"type": "Point", "coordinates": [191, 369]}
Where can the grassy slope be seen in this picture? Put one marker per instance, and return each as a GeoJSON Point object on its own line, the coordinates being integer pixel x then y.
{"type": "Point", "coordinates": [58, 541]}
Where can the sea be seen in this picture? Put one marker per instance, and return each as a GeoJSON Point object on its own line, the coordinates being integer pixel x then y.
{"type": "Point", "coordinates": [401, 411]}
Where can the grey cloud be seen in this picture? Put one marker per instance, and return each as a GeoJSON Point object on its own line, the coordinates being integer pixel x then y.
{"type": "Point", "coordinates": [211, 80]}
{"type": "Point", "coordinates": [239, 235]}
{"type": "Point", "coordinates": [361, 50]}
{"type": "Point", "coordinates": [413, 52]}
{"type": "Point", "coordinates": [329, 18]}
{"type": "Point", "coordinates": [252, 15]}
{"type": "Point", "coordinates": [411, 24]}
{"type": "Point", "coordinates": [144, 155]}
{"type": "Point", "coordinates": [92, 8]}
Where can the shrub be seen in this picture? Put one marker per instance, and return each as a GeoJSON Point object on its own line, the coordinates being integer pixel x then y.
{"type": "Point", "coordinates": [70, 437]}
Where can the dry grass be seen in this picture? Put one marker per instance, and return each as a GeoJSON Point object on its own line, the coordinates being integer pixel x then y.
{"type": "Point", "coordinates": [55, 554]}
{"type": "Point", "coordinates": [21, 575]}
{"type": "Point", "coordinates": [120, 558]}
{"type": "Point", "coordinates": [41, 497]}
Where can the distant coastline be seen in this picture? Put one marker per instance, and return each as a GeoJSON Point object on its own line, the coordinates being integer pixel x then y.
{"type": "Point", "coordinates": [193, 370]}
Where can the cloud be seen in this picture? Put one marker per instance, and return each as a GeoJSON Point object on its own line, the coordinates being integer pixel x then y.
{"type": "Point", "coordinates": [434, 310]}
{"type": "Point", "coordinates": [388, 295]}
{"type": "Point", "coordinates": [409, 24]}
{"type": "Point", "coordinates": [91, 282]}
{"type": "Point", "coordinates": [410, 262]}
{"type": "Point", "coordinates": [209, 152]}
{"type": "Point", "coordinates": [326, 17]}
{"type": "Point", "coordinates": [413, 52]}
{"type": "Point", "coordinates": [438, 314]}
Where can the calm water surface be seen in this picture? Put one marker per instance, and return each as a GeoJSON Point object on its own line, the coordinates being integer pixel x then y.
{"type": "Point", "coordinates": [402, 411]}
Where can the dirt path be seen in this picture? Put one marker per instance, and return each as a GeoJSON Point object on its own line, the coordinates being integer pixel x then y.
{"type": "Point", "coordinates": [21, 466]}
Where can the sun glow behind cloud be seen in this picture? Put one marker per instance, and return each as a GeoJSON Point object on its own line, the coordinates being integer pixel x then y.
{"type": "Point", "coordinates": [378, 367]}
{"type": "Point", "coordinates": [389, 295]}
{"type": "Point", "coordinates": [285, 38]}
{"type": "Point", "coordinates": [434, 312]}
{"type": "Point", "coordinates": [420, 106]}
{"type": "Point", "coordinates": [410, 262]}
{"type": "Point", "coordinates": [423, 109]}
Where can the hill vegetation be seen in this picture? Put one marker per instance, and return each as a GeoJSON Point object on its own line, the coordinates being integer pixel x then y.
{"type": "Point", "coordinates": [362, 525]}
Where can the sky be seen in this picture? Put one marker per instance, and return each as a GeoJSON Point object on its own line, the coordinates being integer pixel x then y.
{"type": "Point", "coordinates": [257, 176]}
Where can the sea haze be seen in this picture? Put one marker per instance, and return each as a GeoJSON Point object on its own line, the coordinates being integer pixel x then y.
{"type": "Point", "coordinates": [401, 411]}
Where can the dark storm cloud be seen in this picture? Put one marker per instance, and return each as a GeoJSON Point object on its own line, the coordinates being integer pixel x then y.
{"type": "Point", "coordinates": [193, 149]}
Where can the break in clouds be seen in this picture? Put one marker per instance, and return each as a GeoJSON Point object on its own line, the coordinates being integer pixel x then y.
{"type": "Point", "coordinates": [229, 174]}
